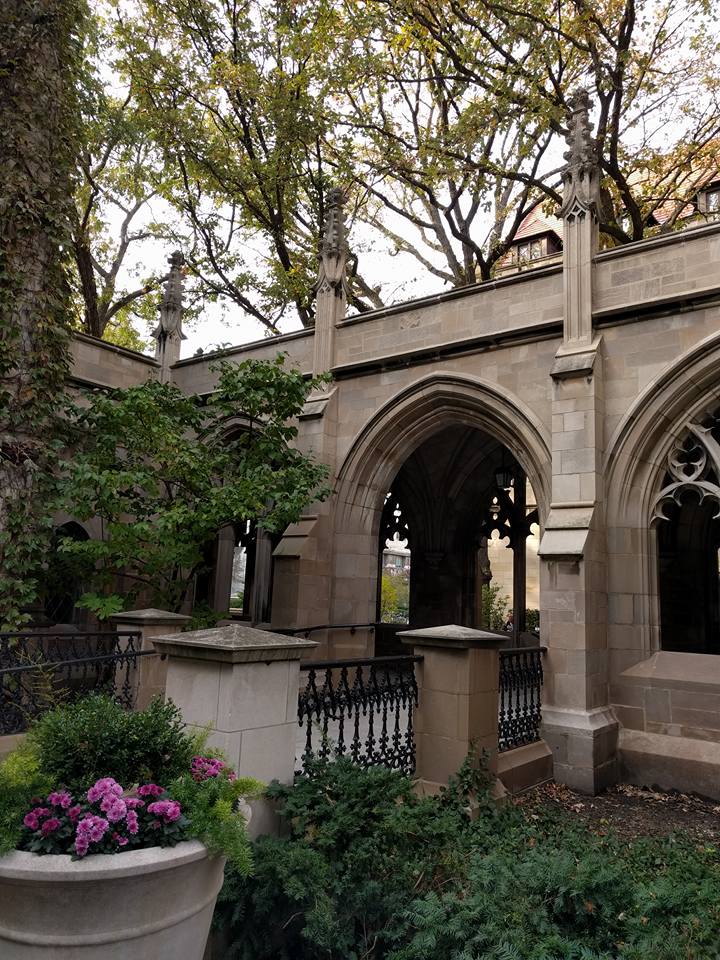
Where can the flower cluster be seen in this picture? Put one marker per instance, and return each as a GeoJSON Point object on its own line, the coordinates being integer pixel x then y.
{"type": "Point", "coordinates": [108, 821]}
{"type": "Point", "coordinates": [206, 768]}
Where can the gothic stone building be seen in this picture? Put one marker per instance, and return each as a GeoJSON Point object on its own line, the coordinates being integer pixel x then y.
{"type": "Point", "coordinates": [597, 378]}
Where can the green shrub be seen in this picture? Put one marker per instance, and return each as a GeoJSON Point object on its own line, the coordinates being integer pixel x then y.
{"type": "Point", "coordinates": [370, 871]}
{"type": "Point", "coordinates": [79, 743]}
{"type": "Point", "coordinates": [21, 779]}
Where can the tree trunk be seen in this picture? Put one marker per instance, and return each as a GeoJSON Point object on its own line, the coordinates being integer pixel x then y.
{"type": "Point", "coordinates": [37, 148]}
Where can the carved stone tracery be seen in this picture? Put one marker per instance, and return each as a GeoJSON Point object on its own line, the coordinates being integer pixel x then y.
{"type": "Point", "coordinates": [693, 464]}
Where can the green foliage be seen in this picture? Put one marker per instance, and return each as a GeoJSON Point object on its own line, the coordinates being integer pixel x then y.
{"type": "Point", "coordinates": [370, 871]}
{"type": "Point", "coordinates": [215, 818]}
{"type": "Point", "coordinates": [164, 473]}
{"type": "Point", "coordinates": [79, 743]}
{"type": "Point", "coordinates": [21, 779]}
{"type": "Point", "coordinates": [394, 598]}
{"type": "Point", "coordinates": [360, 844]}
{"type": "Point", "coordinates": [203, 617]}
{"type": "Point", "coordinates": [532, 620]}
{"type": "Point", "coordinates": [495, 606]}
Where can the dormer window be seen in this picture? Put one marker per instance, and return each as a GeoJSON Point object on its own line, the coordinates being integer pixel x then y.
{"type": "Point", "coordinates": [529, 250]}
{"type": "Point", "coordinates": [712, 200]}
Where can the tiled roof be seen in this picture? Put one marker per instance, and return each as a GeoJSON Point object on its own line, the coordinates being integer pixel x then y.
{"type": "Point", "coordinates": [536, 223]}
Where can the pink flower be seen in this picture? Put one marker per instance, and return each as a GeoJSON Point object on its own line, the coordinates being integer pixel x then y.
{"type": "Point", "coordinates": [31, 821]}
{"type": "Point", "coordinates": [132, 822]}
{"type": "Point", "coordinates": [41, 812]}
{"type": "Point", "coordinates": [90, 829]}
{"type": "Point", "coordinates": [50, 826]}
{"type": "Point", "coordinates": [113, 807]}
{"type": "Point", "coordinates": [169, 810]}
{"type": "Point", "coordinates": [74, 812]}
{"type": "Point", "coordinates": [120, 840]}
{"type": "Point", "coordinates": [102, 787]}
{"type": "Point", "coordinates": [61, 798]}
{"type": "Point", "coordinates": [203, 768]}
{"type": "Point", "coordinates": [132, 803]}
{"type": "Point", "coordinates": [150, 790]}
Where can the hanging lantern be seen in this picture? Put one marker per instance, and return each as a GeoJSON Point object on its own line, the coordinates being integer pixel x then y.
{"type": "Point", "coordinates": [504, 475]}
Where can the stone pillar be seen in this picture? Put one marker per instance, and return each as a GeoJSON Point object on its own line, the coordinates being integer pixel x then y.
{"type": "Point", "coordinates": [458, 682]}
{"type": "Point", "coordinates": [331, 286]}
{"type": "Point", "coordinates": [168, 333]}
{"type": "Point", "coordinates": [148, 679]}
{"type": "Point", "coordinates": [222, 575]}
{"type": "Point", "coordinates": [303, 585]}
{"type": "Point", "coordinates": [242, 685]}
{"type": "Point", "coordinates": [578, 724]}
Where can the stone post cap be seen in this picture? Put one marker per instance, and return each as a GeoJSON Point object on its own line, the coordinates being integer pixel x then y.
{"type": "Point", "coordinates": [237, 643]}
{"type": "Point", "coordinates": [453, 636]}
{"type": "Point", "coordinates": [150, 617]}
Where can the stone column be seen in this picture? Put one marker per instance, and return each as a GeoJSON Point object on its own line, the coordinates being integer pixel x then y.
{"type": "Point", "coordinates": [242, 685]}
{"type": "Point", "coordinates": [578, 724]}
{"type": "Point", "coordinates": [458, 683]}
{"type": "Point", "coordinates": [148, 678]}
{"type": "Point", "coordinates": [303, 585]}
{"type": "Point", "coordinates": [222, 575]}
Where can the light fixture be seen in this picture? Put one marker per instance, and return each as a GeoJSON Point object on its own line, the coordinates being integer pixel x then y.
{"type": "Point", "coordinates": [504, 474]}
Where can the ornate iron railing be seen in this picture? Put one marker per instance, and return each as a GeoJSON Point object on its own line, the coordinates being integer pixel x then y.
{"type": "Point", "coordinates": [361, 708]}
{"type": "Point", "coordinates": [521, 679]}
{"type": "Point", "coordinates": [40, 670]}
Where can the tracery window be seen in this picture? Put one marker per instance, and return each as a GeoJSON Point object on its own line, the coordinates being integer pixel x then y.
{"type": "Point", "coordinates": [686, 513]}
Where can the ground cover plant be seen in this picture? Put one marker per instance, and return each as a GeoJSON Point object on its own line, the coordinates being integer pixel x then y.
{"type": "Point", "coordinates": [368, 870]}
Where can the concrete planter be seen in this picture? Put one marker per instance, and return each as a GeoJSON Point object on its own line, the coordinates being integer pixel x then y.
{"type": "Point", "coordinates": [153, 904]}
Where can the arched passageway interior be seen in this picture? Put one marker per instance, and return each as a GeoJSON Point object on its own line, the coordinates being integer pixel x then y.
{"type": "Point", "coordinates": [458, 539]}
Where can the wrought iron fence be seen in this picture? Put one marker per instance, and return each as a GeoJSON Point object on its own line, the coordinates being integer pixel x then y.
{"type": "Point", "coordinates": [521, 679]}
{"type": "Point", "coordinates": [41, 670]}
{"type": "Point", "coordinates": [361, 708]}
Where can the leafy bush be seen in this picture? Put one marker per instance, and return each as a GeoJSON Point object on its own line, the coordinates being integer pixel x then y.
{"type": "Point", "coordinates": [368, 870]}
{"type": "Point", "coordinates": [94, 738]}
{"type": "Point", "coordinates": [93, 742]}
{"type": "Point", "coordinates": [21, 779]}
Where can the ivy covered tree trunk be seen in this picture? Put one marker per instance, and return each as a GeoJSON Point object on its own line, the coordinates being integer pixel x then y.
{"type": "Point", "coordinates": [40, 54]}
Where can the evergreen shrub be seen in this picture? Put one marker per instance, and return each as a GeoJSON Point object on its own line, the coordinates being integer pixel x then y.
{"type": "Point", "coordinates": [369, 870]}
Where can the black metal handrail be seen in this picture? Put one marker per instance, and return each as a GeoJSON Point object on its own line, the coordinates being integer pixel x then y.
{"type": "Point", "coordinates": [521, 680]}
{"type": "Point", "coordinates": [374, 697]}
{"type": "Point", "coordinates": [36, 672]}
{"type": "Point", "coordinates": [306, 631]}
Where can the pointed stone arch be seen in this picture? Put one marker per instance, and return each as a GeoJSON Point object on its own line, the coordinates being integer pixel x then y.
{"type": "Point", "coordinates": [386, 442]}
{"type": "Point", "coordinates": [413, 415]}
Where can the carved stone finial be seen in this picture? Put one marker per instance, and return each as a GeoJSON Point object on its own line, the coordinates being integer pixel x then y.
{"type": "Point", "coordinates": [172, 301]}
{"type": "Point", "coordinates": [334, 250]}
{"type": "Point", "coordinates": [581, 176]}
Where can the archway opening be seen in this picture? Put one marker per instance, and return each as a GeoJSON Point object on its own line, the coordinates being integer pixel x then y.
{"type": "Point", "coordinates": [458, 540]}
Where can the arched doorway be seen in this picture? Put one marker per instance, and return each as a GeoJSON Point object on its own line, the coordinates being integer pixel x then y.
{"type": "Point", "coordinates": [66, 576]}
{"type": "Point", "coordinates": [458, 537]}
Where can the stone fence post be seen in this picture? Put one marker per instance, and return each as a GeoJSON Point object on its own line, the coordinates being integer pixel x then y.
{"type": "Point", "coordinates": [242, 685]}
{"type": "Point", "coordinates": [458, 684]}
{"type": "Point", "coordinates": [148, 678]}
